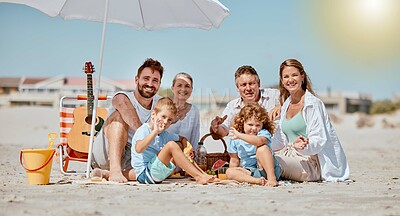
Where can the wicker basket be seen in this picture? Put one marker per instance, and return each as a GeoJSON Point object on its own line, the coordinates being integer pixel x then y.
{"type": "Point", "coordinates": [212, 157]}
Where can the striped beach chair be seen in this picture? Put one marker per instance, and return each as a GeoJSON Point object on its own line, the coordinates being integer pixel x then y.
{"type": "Point", "coordinates": [67, 151]}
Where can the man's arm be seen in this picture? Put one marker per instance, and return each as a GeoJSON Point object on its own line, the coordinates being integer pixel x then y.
{"type": "Point", "coordinates": [128, 112]}
{"type": "Point", "coordinates": [216, 128]}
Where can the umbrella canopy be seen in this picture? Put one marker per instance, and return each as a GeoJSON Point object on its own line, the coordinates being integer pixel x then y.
{"type": "Point", "coordinates": [147, 14]}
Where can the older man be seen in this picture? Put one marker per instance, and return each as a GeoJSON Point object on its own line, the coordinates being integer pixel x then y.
{"type": "Point", "coordinates": [248, 85]}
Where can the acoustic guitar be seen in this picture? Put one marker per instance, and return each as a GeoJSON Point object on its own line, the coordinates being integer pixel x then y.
{"type": "Point", "coordinates": [79, 135]}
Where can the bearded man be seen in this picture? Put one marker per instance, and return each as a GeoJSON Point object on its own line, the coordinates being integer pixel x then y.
{"type": "Point", "coordinates": [112, 146]}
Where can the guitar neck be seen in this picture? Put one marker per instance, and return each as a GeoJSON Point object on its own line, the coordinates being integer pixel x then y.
{"type": "Point", "coordinates": [90, 96]}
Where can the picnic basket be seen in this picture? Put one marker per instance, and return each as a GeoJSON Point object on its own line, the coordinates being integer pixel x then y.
{"type": "Point", "coordinates": [212, 157]}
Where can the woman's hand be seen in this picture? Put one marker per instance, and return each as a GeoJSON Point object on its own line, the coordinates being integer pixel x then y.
{"type": "Point", "coordinates": [275, 113]}
{"type": "Point", "coordinates": [300, 143]}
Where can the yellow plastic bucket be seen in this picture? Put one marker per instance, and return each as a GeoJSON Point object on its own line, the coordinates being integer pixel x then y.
{"type": "Point", "coordinates": [38, 162]}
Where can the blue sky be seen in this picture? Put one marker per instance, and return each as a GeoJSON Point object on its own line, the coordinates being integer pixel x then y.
{"type": "Point", "coordinates": [345, 45]}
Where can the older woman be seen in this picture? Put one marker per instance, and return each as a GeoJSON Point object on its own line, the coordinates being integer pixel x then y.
{"type": "Point", "coordinates": [187, 120]}
{"type": "Point", "coordinates": [311, 148]}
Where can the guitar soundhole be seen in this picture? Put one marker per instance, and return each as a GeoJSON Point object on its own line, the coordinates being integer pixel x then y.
{"type": "Point", "coordinates": [88, 119]}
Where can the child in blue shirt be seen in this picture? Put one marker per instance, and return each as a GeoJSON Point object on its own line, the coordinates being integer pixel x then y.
{"type": "Point", "coordinates": [252, 160]}
{"type": "Point", "coordinates": [154, 148]}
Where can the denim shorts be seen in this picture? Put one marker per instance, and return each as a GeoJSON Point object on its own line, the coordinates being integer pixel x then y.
{"type": "Point", "coordinates": [256, 172]}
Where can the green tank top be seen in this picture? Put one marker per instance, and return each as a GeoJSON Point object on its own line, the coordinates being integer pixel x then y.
{"type": "Point", "coordinates": [294, 127]}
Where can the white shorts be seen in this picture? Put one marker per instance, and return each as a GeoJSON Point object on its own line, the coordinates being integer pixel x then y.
{"type": "Point", "coordinates": [100, 156]}
{"type": "Point", "coordinates": [299, 167]}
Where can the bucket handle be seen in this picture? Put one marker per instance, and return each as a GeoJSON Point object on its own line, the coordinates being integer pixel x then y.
{"type": "Point", "coordinates": [52, 136]}
{"type": "Point", "coordinates": [33, 170]}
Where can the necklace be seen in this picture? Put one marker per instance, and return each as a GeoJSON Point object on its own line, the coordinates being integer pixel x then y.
{"type": "Point", "coordinates": [182, 107]}
{"type": "Point", "coordinates": [300, 102]}
{"type": "Point", "coordinates": [181, 112]}
{"type": "Point", "coordinates": [296, 105]}
{"type": "Point", "coordinates": [294, 108]}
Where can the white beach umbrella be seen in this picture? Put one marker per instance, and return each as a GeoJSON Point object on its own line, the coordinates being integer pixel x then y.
{"type": "Point", "coordinates": [147, 14]}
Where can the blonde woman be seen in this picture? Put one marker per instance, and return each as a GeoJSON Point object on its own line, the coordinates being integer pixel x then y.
{"type": "Point", "coordinates": [187, 120]}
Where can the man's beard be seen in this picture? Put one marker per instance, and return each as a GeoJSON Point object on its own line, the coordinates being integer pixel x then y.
{"type": "Point", "coordinates": [144, 93]}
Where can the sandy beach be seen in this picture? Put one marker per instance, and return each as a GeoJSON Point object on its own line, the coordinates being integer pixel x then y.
{"type": "Point", "coordinates": [372, 153]}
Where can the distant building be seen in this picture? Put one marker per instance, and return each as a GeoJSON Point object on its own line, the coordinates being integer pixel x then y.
{"type": "Point", "coordinates": [346, 102]}
{"type": "Point", "coordinates": [336, 102]}
{"type": "Point", "coordinates": [396, 97]}
{"type": "Point", "coordinates": [211, 101]}
{"type": "Point", "coordinates": [47, 91]}
{"type": "Point", "coordinates": [9, 85]}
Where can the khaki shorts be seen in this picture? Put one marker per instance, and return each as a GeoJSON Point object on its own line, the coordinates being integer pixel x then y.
{"type": "Point", "coordinates": [100, 156]}
{"type": "Point", "coordinates": [298, 167]}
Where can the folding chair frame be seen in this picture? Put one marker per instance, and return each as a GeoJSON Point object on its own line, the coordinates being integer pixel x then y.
{"type": "Point", "coordinates": [65, 153]}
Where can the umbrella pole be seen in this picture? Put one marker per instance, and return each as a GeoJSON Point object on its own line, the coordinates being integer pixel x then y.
{"type": "Point", "coordinates": [96, 95]}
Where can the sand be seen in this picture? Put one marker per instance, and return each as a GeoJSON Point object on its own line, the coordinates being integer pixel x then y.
{"type": "Point", "coordinates": [373, 154]}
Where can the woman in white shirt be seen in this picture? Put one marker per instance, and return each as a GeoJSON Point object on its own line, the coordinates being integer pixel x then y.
{"type": "Point", "coordinates": [311, 150]}
{"type": "Point", "coordinates": [187, 120]}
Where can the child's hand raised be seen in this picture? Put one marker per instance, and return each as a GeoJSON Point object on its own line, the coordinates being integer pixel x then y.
{"type": "Point", "coordinates": [233, 133]}
{"type": "Point", "coordinates": [159, 125]}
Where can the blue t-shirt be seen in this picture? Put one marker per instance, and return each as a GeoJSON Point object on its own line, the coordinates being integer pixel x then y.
{"type": "Point", "coordinates": [247, 152]}
{"type": "Point", "coordinates": [139, 161]}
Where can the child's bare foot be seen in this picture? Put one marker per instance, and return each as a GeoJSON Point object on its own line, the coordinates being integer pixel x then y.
{"type": "Point", "coordinates": [271, 183]}
{"type": "Point", "coordinates": [117, 176]}
{"type": "Point", "coordinates": [262, 181]}
{"type": "Point", "coordinates": [205, 178]}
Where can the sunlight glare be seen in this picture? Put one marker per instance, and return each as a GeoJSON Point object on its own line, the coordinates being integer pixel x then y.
{"type": "Point", "coordinates": [367, 30]}
{"type": "Point", "coordinates": [373, 9]}
{"type": "Point", "coordinates": [372, 12]}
